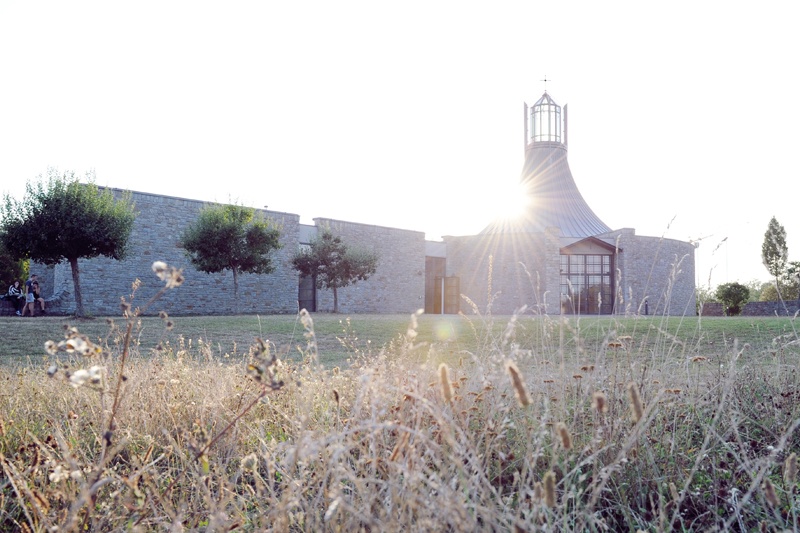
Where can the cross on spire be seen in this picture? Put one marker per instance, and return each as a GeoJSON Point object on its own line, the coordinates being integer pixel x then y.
{"type": "Point", "coordinates": [545, 80]}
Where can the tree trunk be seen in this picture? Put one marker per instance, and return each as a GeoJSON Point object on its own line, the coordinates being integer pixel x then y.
{"type": "Point", "coordinates": [335, 301]}
{"type": "Point", "coordinates": [778, 289]}
{"type": "Point", "coordinates": [235, 290]}
{"type": "Point", "coordinates": [76, 283]}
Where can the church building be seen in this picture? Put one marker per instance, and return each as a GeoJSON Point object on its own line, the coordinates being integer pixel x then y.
{"type": "Point", "coordinates": [558, 257]}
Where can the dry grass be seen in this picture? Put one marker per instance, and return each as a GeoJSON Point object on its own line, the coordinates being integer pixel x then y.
{"type": "Point", "coordinates": [537, 424]}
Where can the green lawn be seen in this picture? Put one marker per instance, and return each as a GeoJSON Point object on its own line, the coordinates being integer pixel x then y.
{"type": "Point", "coordinates": [340, 337]}
{"type": "Point", "coordinates": [533, 424]}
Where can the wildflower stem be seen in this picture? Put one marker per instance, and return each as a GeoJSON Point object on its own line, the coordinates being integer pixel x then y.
{"type": "Point", "coordinates": [118, 388]}
{"type": "Point", "coordinates": [123, 360]}
{"type": "Point", "coordinates": [232, 423]}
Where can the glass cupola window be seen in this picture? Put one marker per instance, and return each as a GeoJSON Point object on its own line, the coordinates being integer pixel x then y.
{"type": "Point", "coordinates": [545, 120]}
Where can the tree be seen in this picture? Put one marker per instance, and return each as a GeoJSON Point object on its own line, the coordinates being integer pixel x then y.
{"type": "Point", "coordinates": [61, 219]}
{"type": "Point", "coordinates": [732, 295]}
{"type": "Point", "coordinates": [774, 252]}
{"type": "Point", "coordinates": [703, 295]}
{"type": "Point", "coordinates": [11, 268]}
{"type": "Point", "coordinates": [334, 265]}
{"type": "Point", "coordinates": [755, 287]}
{"type": "Point", "coordinates": [792, 280]}
{"type": "Point", "coordinates": [789, 282]}
{"type": "Point", "coordinates": [231, 237]}
{"type": "Point", "coordinates": [769, 293]}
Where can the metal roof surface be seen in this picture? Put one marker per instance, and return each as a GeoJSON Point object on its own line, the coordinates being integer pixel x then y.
{"type": "Point", "coordinates": [553, 198]}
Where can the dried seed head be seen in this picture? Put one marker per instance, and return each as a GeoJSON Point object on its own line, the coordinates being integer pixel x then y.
{"type": "Point", "coordinates": [250, 462]}
{"type": "Point", "coordinates": [51, 347]}
{"type": "Point", "coordinates": [173, 277]}
{"type": "Point", "coordinates": [550, 489]}
{"type": "Point", "coordinates": [444, 383]}
{"type": "Point", "coordinates": [538, 491]}
{"type": "Point", "coordinates": [563, 434]}
{"type": "Point", "coordinates": [599, 402]}
{"type": "Point", "coordinates": [92, 377]}
{"type": "Point", "coordinates": [520, 390]}
{"type": "Point", "coordinates": [673, 490]}
{"type": "Point", "coordinates": [790, 470]}
{"type": "Point", "coordinates": [769, 493]}
{"type": "Point", "coordinates": [637, 410]}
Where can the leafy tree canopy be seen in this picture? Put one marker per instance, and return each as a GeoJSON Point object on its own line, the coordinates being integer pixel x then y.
{"type": "Point", "coordinates": [11, 269]}
{"type": "Point", "coordinates": [333, 264]}
{"type": "Point", "coordinates": [733, 296]}
{"type": "Point", "coordinates": [789, 283]}
{"type": "Point", "coordinates": [231, 237]}
{"type": "Point", "coordinates": [62, 219]}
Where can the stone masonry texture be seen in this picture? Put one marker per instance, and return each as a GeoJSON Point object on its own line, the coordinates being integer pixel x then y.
{"type": "Point", "coordinates": [497, 273]}
{"type": "Point", "coordinates": [396, 287]}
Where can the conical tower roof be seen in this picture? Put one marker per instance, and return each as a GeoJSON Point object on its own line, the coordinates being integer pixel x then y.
{"type": "Point", "coordinates": [553, 197]}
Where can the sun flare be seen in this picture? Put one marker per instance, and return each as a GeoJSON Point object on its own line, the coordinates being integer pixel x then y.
{"type": "Point", "coordinates": [507, 201]}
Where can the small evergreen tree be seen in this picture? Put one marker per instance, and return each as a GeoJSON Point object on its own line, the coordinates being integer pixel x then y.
{"type": "Point", "coordinates": [231, 237]}
{"type": "Point", "coordinates": [334, 265]}
{"type": "Point", "coordinates": [733, 296]}
{"type": "Point", "coordinates": [61, 219]}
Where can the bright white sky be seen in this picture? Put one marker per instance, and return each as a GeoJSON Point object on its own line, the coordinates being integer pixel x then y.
{"type": "Point", "coordinates": [682, 115]}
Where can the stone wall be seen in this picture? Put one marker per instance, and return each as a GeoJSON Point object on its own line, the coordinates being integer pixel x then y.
{"type": "Point", "coordinates": [397, 287]}
{"type": "Point", "coordinates": [508, 269]}
{"type": "Point", "coordinates": [524, 270]}
{"type": "Point", "coordinates": [7, 308]}
{"type": "Point", "coordinates": [155, 237]}
{"type": "Point", "coordinates": [788, 308]}
{"type": "Point", "coordinates": [656, 274]}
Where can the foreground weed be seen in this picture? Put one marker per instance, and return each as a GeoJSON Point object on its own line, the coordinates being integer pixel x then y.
{"type": "Point", "coordinates": [530, 431]}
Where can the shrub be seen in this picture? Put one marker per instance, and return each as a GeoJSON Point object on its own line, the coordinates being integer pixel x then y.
{"type": "Point", "coordinates": [733, 296]}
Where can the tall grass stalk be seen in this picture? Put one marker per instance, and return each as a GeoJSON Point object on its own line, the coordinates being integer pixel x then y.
{"type": "Point", "coordinates": [532, 423]}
